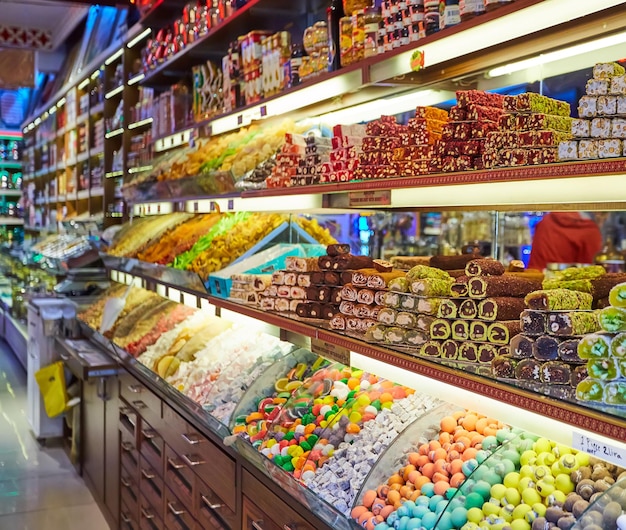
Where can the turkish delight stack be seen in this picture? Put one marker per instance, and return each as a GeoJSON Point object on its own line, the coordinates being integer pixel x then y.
{"type": "Point", "coordinates": [605, 354]}
{"type": "Point", "coordinates": [299, 159]}
{"type": "Point", "coordinates": [529, 132]}
{"type": "Point", "coordinates": [547, 349]}
{"type": "Point", "coordinates": [246, 288]}
{"type": "Point", "coordinates": [477, 320]}
{"type": "Point", "coordinates": [463, 138]}
{"type": "Point", "coordinates": [344, 157]}
{"type": "Point", "coordinates": [362, 300]}
{"type": "Point", "coordinates": [600, 129]}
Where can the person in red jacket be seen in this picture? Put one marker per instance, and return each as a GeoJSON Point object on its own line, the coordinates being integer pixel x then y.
{"type": "Point", "coordinates": [564, 237]}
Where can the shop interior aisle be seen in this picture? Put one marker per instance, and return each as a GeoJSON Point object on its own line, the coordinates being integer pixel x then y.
{"type": "Point", "coordinates": [39, 487]}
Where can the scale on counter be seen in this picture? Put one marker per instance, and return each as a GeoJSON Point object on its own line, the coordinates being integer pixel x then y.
{"type": "Point", "coordinates": [83, 282]}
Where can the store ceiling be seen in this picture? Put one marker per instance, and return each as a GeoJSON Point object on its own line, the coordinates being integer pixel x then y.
{"type": "Point", "coordinates": [38, 24]}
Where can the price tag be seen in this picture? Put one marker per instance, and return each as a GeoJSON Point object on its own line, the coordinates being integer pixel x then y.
{"type": "Point", "coordinates": [417, 60]}
{"type": "Point", "coordinates": [603, 450]}
{"type": "Point", "coordinates": [213, 206]}
{"type": "Point", "coordinates": [363, 199]}
{"type": "Point", "coordinates": [195, 206]}
{"type": "Point", "coordinates": [240, 119]}
{"type": "Point", "coordinates": [263, 111]}
{"type": "Point", "coordinates": [331, 351]}
{"type": "Point", "coordinates": [231, 204]}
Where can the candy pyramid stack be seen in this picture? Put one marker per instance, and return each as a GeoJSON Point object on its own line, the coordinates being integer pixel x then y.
{"type": "Point", "coordinates": [529, 132]}
{"type": "Point", "coordinates": [600, 130]}
{"type": "Point", "coordinates": [391, 149]}
{"type": "Point", "coordinates": [298, 161]}
{"type": "Point", "coordinates": [605, 354]}
{"type": "Point", "coordinates": [344, 158]}
{"type": "Point", "coordinates": [478, 320]}
{"type": "Point", "coordinates": [463, 138]}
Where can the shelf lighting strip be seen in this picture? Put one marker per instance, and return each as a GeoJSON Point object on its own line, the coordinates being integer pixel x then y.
{"type": "Point", "coordinates": [114, 92]}
{"type": "Point", "coordinates": [83, 84]}
{"type": "Point", "coordinates": [136, 79]}
{"type": "Point", "coordinates": [538, 17]}
{"type": "Point", "coordinates": [296, 203]}
{"type": "Point", "coordinates": [139, 37]}
{"type": "Point", "coordinates": [114, 174]}
{"type": "Point", "coordinates": [116, 132]}
{"type": "Point", "coordinates": [139, 169]}
{"type": "Point", "coordinates": [140, 123]}
{"type": "Point", "coordinates": [114, 57]}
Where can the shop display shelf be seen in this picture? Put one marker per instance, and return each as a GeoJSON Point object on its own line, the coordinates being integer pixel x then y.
{"type": "Point", "coordinates": [10, 193]}
{"type": "Point", "coordinates": [162, 13]}
{"type": "Point", "coordinates": [11, 221]}
{"type": "Point", "coordinates": [607, 421]}
{"type": "Point", "coordinates": [96, 109]}
{"type": "Point", "coordinates": [5, 164]}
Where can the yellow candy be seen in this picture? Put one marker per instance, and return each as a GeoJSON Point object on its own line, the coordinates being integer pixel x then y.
{"type": "Point", "coordinates": [271, 442]}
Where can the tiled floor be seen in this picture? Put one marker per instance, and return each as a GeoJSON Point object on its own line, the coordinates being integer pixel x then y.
{"type": "Point", "coordinates": [39, 488]}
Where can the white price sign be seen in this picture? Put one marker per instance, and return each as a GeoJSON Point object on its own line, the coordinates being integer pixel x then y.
{"type": "Point", "coordinates": [603, 450]}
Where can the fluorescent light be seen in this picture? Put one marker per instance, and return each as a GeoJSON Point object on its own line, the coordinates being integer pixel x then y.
{"type": "Point", "coordinates": [386, 106]}
{"type": "Point", "coordinates": [140, 123]}
{"type": "Point", "coordinates": [61, 102]}
{"type": "Point", "coordinates": [53, 109]}
{"type": "Point", "coordinates": [116, 132]}
{"type": "Point", "coordinates": [37, 121]}
{"type": "Point", "coordinates": [114, 92]}
{"type": "Point", "coordinates": [295, 203]}
{"type": "Point", "coordinates": [114, 174]}
{"type": "Point", "coordinates": [571, 51]}
{"type": "Point", "coordinates": [83, 84]}
{"type": "Point", "coordinates": [115, 56]}
{"type": "Point", "coordinates": [535, 18]}
{"type": "Point", "coordinates": [139, 169]}
{"type": "Point", "coordinates": [325, 90]}
{"type": "Point", "coordinates": [136, 79]}
{"type": "Point", "coordinates": [139, 37]}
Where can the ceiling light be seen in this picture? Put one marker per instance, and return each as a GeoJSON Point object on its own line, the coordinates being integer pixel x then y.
{"type": "Point", "coordinates": [571, 51]}
{"type": "Point", "coordinates": [139, 37]}
{"type": "Point", "coordinates": [115, 56]}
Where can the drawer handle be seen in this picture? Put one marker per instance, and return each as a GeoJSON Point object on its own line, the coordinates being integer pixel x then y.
{"type": "Point", "coordinates": [125, 411]}
{"type": "Point", "coordinates": [125, 518]}
{"type": "Point", "coordinates": [175, 464]}
{"type": "Point", "coordinates": [149, 434]}
{"type": "Point", "coordinates": [174, 510]}
{"type": "Point", "coordinates": [140, 404]}
{"type": "Point", "coordinates": [207, 501]}
{"type": "Point", "coordinates": [125, 482]}
{"type": "Point", "coordinates": [127, 446]}
{"type": "Point", "coordinates": [192, 439]}
{"type": "Point", "coordinates": [146, 513]}
{"type": "Point", "coordinates": [191, 462]}
{"type": "Point", "coordinates": [135, 389]}
{"type": "Point", "coordinates": [258, 525]}
{"type": "Point", "coordinates": [146, 474]}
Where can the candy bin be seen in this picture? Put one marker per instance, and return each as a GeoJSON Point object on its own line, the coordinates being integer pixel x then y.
{"type": "Point", "coordinates": [607, 511]}
{"type": "Point", "coordinates": [236, 378]}
{"type": "Point", "coordinates": [432, 458]}
{"type": "Point", "coordinates": [264, 399]}
{"type": "Point", "coordinates": [339, 481]}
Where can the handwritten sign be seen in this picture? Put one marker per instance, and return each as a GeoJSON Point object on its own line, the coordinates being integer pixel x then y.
{"type": "Point", "coordinates": [603, 450]}
{"type": "Point", "coordinates": [363, 199]}
{"type": "Point", "coordinates": [331, 351]}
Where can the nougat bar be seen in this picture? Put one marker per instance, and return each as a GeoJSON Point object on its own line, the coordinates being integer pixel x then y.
{"type": "Point", "coordinates": [468, 309]}
{"type": "Point", "coordinates": [440, 329]}
{"type": "Point", "coordinates": [484, 267]}
{"type": "Point", "coordinates": [546, 348]}
{"type": "Point", "coordinates": [494, 286]}
{"type": "Point", "coordinates": [502, 332]}
{"type": "Point", "coordinates": [558, 299]}
{"type": "Point", "coordinates": [522, 346]}
{"type": "Point", "coordinates": [532, 102]}
{"type": "Point", "coordinates": [500, 308]}
{"type": "Point", "coordinates": [573, 323]}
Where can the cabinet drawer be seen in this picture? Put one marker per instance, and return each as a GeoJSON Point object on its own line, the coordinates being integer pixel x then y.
{"type": "Point", "coordinates": [151, 447]}
{"type": "Point", "coordinates": [128, 518]}
{"type": "Point", "coordinates": [151, 485]}
{"type": "Point", "coordinates": [211, 511]}
{"type": "Point", "coordinates": [281, 515]}
{"type": "Point", "coordinates": [129, 457]}
{"type": "Point", "coordinates": [212, 465]}
{"type": "Point", "coordinates": [128, 496]}
{"type": "Point", "coordinates": [140, 398]}
{"type": "Point", "coordinates": [128, 420]}
{"type": "Point", "coordinates": [180, 478]}
{"type": "Point", "coordinates": [149, 519]}
{"type": "Point", "coordinates": [253, 518]}
{"type": "Point", "coordinates": [177, 516]}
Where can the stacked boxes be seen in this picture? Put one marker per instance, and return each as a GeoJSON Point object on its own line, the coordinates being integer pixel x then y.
{"type": "Point", "coordinates": [600, 130]}
{"type": "Point", "coordinates": [463, 138]}
{"type": "Point", "coordinates": [299, 161]}
{"type": "Point", "coordinates": [529, 132]}
{"type": "Point", "coordinates": [344, 158]}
